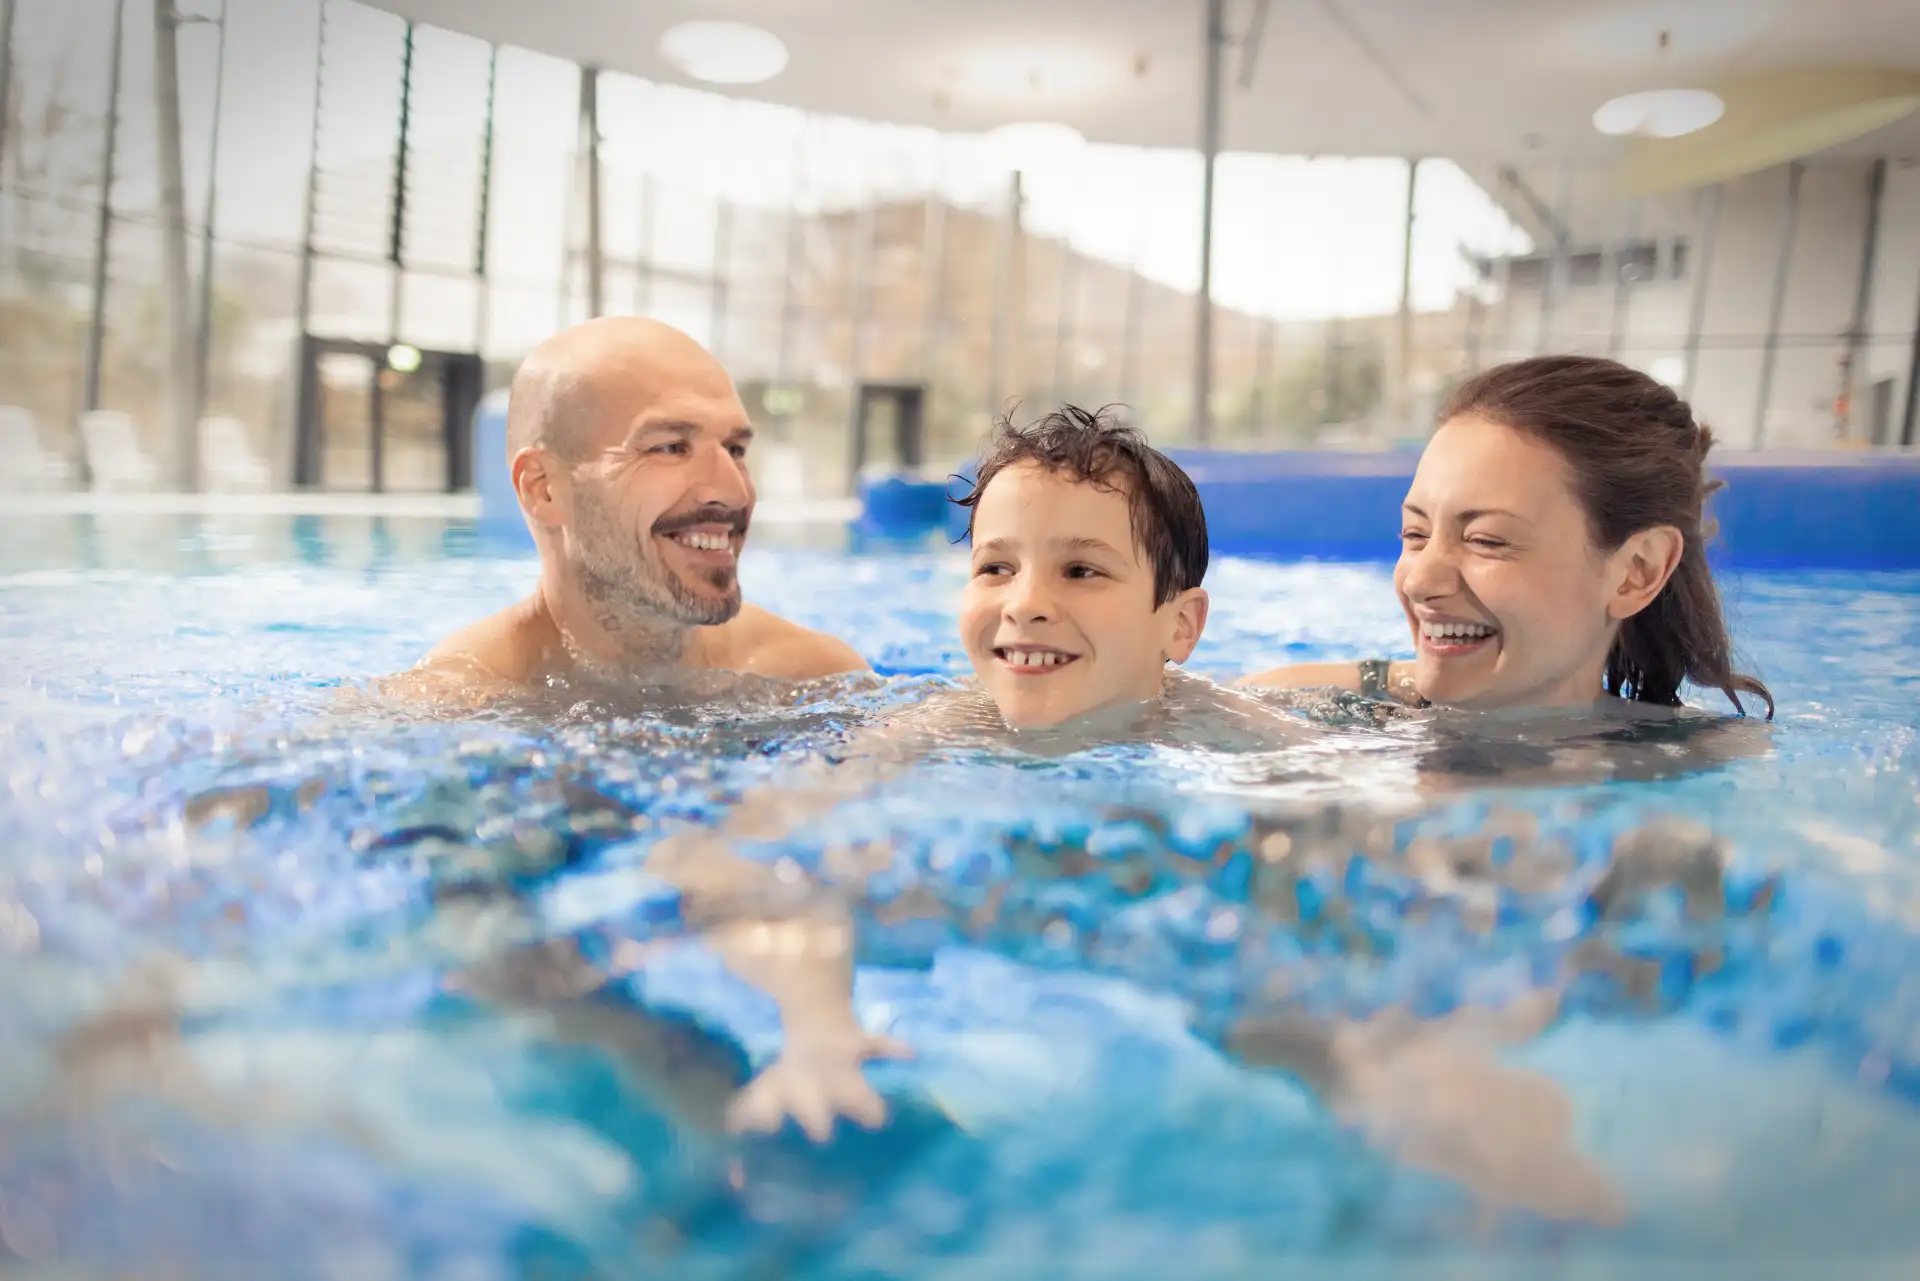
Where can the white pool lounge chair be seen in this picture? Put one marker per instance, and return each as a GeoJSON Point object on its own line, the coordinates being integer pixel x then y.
{"type": "Point", "coordinates": [113, 451]}
{"type": "Point", "coordinates": [227, 460]}
{"type": "Point", "coordinates": [24, 462]}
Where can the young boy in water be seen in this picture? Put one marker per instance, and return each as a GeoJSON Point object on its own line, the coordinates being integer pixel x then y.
{"type": "Point", "coordinates": [1088, 551]}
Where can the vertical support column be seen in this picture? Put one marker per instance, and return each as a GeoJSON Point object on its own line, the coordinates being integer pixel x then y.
{"type": "Point", "coordinates": [377, 423]}
{"type": "Point", "coordinates": [1019, 248]}
{"type": "Point", "coordinates": [7, 12]}
{"type": "Point", "coordinates": [483, 222]}
{"type": "Point", "coordinates": [1216, 40]}
{"type": "Point", "coordinates": [1333, 380]}
{"type": "Point", "coordinates": [1701, 263]}
{"type": "Point", "coordinates": [301, 452]}
{"type": "Point", "coordinates": [865, 231]}
{"type": "Point", "coordinates": [789, 274]}
{"type": "Point", "coordinates": [397, 234]}
{"type": "Point", "coordinates": [1857, 333]}
{"type": "Point", "coordinates": [103, 222]}
{"type": "Point", "coordinates": [1910, 418]}
{"type": "Point", "coordinates": [203, 318]}
{"type": "Point", "coordinates": [1403, 391]}
{"type": "Point", "coordinates": [1789, 227]}
{"type": "Point", "coordinates": [595, 266]}
{"type": "Point", "coordinates": [176, 289]}
{"type": "Point", "coordinates": [933, 312]}
{"type": "Point", "coordinates": [865, 228]}
{"type": "Point", "coordinates": [1130, 332]}
{"type": "Point", "coordinates": [1003, 297]}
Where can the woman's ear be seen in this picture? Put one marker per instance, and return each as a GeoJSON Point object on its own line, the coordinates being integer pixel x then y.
{"type": "Point", "coordinates": [1641, 567]}
{"type": "Point", "coordinates": [540, 483]}
{"type": "Point", "coordinates": [1189, 620]}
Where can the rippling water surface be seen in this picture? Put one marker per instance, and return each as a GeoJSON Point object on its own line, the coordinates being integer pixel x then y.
{"type": "Point", "coordinates": [232, 893]}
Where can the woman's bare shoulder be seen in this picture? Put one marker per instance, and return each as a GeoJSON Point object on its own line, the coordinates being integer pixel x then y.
{"type": "Point", "coordinates": [1306, 676]}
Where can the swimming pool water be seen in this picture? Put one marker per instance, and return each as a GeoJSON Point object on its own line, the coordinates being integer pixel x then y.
{"type": "Point", "coordinates": [331, 1111]}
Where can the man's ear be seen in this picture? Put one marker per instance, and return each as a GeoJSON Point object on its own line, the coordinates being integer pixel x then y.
{"type": "Point", "coordinates": [1189, 620]}
{"type": "Point", "coordinates": [1641, 567]}
{"type": "Point", "coordinates": [540, 483]}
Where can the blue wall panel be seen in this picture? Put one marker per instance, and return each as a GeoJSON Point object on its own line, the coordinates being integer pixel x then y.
{"type": "Point", "coordinates": [1776, 511]}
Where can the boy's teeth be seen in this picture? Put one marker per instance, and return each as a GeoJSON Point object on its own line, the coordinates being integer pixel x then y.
{"type": "Point", "coordinates": [1034, 658]}
{"type": "Point", "coordinates": [1452, 631]}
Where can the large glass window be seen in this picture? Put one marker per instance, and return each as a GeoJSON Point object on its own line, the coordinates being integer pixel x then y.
{"type": "Point", "coordinates": [49, 196]}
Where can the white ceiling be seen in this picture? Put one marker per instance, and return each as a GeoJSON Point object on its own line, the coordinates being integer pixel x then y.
{"type": "Point", "coordinates": [1476, 80]}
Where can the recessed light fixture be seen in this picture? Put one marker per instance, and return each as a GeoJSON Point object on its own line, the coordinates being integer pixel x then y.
{"type": "Point", "coordinates": [1033, 144]}
{"type": "Point", "coordinates": [724, 53]}
{"type": "Point", "coordinates": [403, 359]}
{"type": "Point", "coordinates": [1659, 113]}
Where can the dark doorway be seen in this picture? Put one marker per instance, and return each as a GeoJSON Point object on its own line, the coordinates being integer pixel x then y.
{"type": "Point", "coordinates": [1880, 412]}
{"type": "Point", "coordinates": [889, 426]}
{"type": "Point", "coordinates": [375, 418]}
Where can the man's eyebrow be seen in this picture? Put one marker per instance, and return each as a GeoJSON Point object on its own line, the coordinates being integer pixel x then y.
{"type": "Point", "coordinates": [682, 429]}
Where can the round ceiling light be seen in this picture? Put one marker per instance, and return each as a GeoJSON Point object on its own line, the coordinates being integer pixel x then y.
{"type": "Point", "coordinates": [725, 53]}
{"type": "Point", "coordinates": [1659, 113]}
{"type": "Point", "coordinates": [1034, 144]}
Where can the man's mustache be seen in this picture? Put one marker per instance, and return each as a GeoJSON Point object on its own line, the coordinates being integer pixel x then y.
{"type": "Point", "coordinates": [734, 518]}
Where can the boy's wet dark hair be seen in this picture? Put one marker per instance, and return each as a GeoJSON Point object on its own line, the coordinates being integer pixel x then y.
{"type": "Point", "coordinates": [1095, 448]}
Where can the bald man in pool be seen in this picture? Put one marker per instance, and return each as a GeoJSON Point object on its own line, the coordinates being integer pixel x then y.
{"type": "Point", "coordinates": [627, 447]}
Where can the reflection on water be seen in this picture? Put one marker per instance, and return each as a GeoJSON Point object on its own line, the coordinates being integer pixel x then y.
{"type": "Point", "coordinates": [400, 992]}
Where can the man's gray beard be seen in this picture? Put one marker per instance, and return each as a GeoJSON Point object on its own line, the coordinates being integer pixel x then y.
{"type": "Point", "coordinates": [641, 589]}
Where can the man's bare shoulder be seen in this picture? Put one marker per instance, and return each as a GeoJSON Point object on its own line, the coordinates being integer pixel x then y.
{"type": "Point", "coordinates": [505, 646]}
{"type": "Point", "coordinates": [767, 645]}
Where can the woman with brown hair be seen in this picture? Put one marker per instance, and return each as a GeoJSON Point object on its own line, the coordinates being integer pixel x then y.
{"type": "Point", "coordinates": [1553, 551]}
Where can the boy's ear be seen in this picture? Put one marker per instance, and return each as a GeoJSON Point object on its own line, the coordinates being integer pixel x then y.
{"type": "Point", "coordinates": [1189, 620]}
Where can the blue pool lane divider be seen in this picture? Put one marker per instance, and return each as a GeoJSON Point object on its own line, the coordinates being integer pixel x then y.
{"type": "Point", "coordinates": [1826, 510]}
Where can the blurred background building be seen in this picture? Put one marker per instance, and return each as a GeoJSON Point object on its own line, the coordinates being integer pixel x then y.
{"type": "Point", "coordinates": [293, 243]}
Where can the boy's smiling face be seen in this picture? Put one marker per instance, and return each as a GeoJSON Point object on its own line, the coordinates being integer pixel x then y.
{"type": "Point", "coordinates": [1059, 617]}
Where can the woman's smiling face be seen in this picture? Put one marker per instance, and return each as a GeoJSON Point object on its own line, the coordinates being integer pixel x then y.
{"type": "Point", "coordinates": [1507, 597]}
